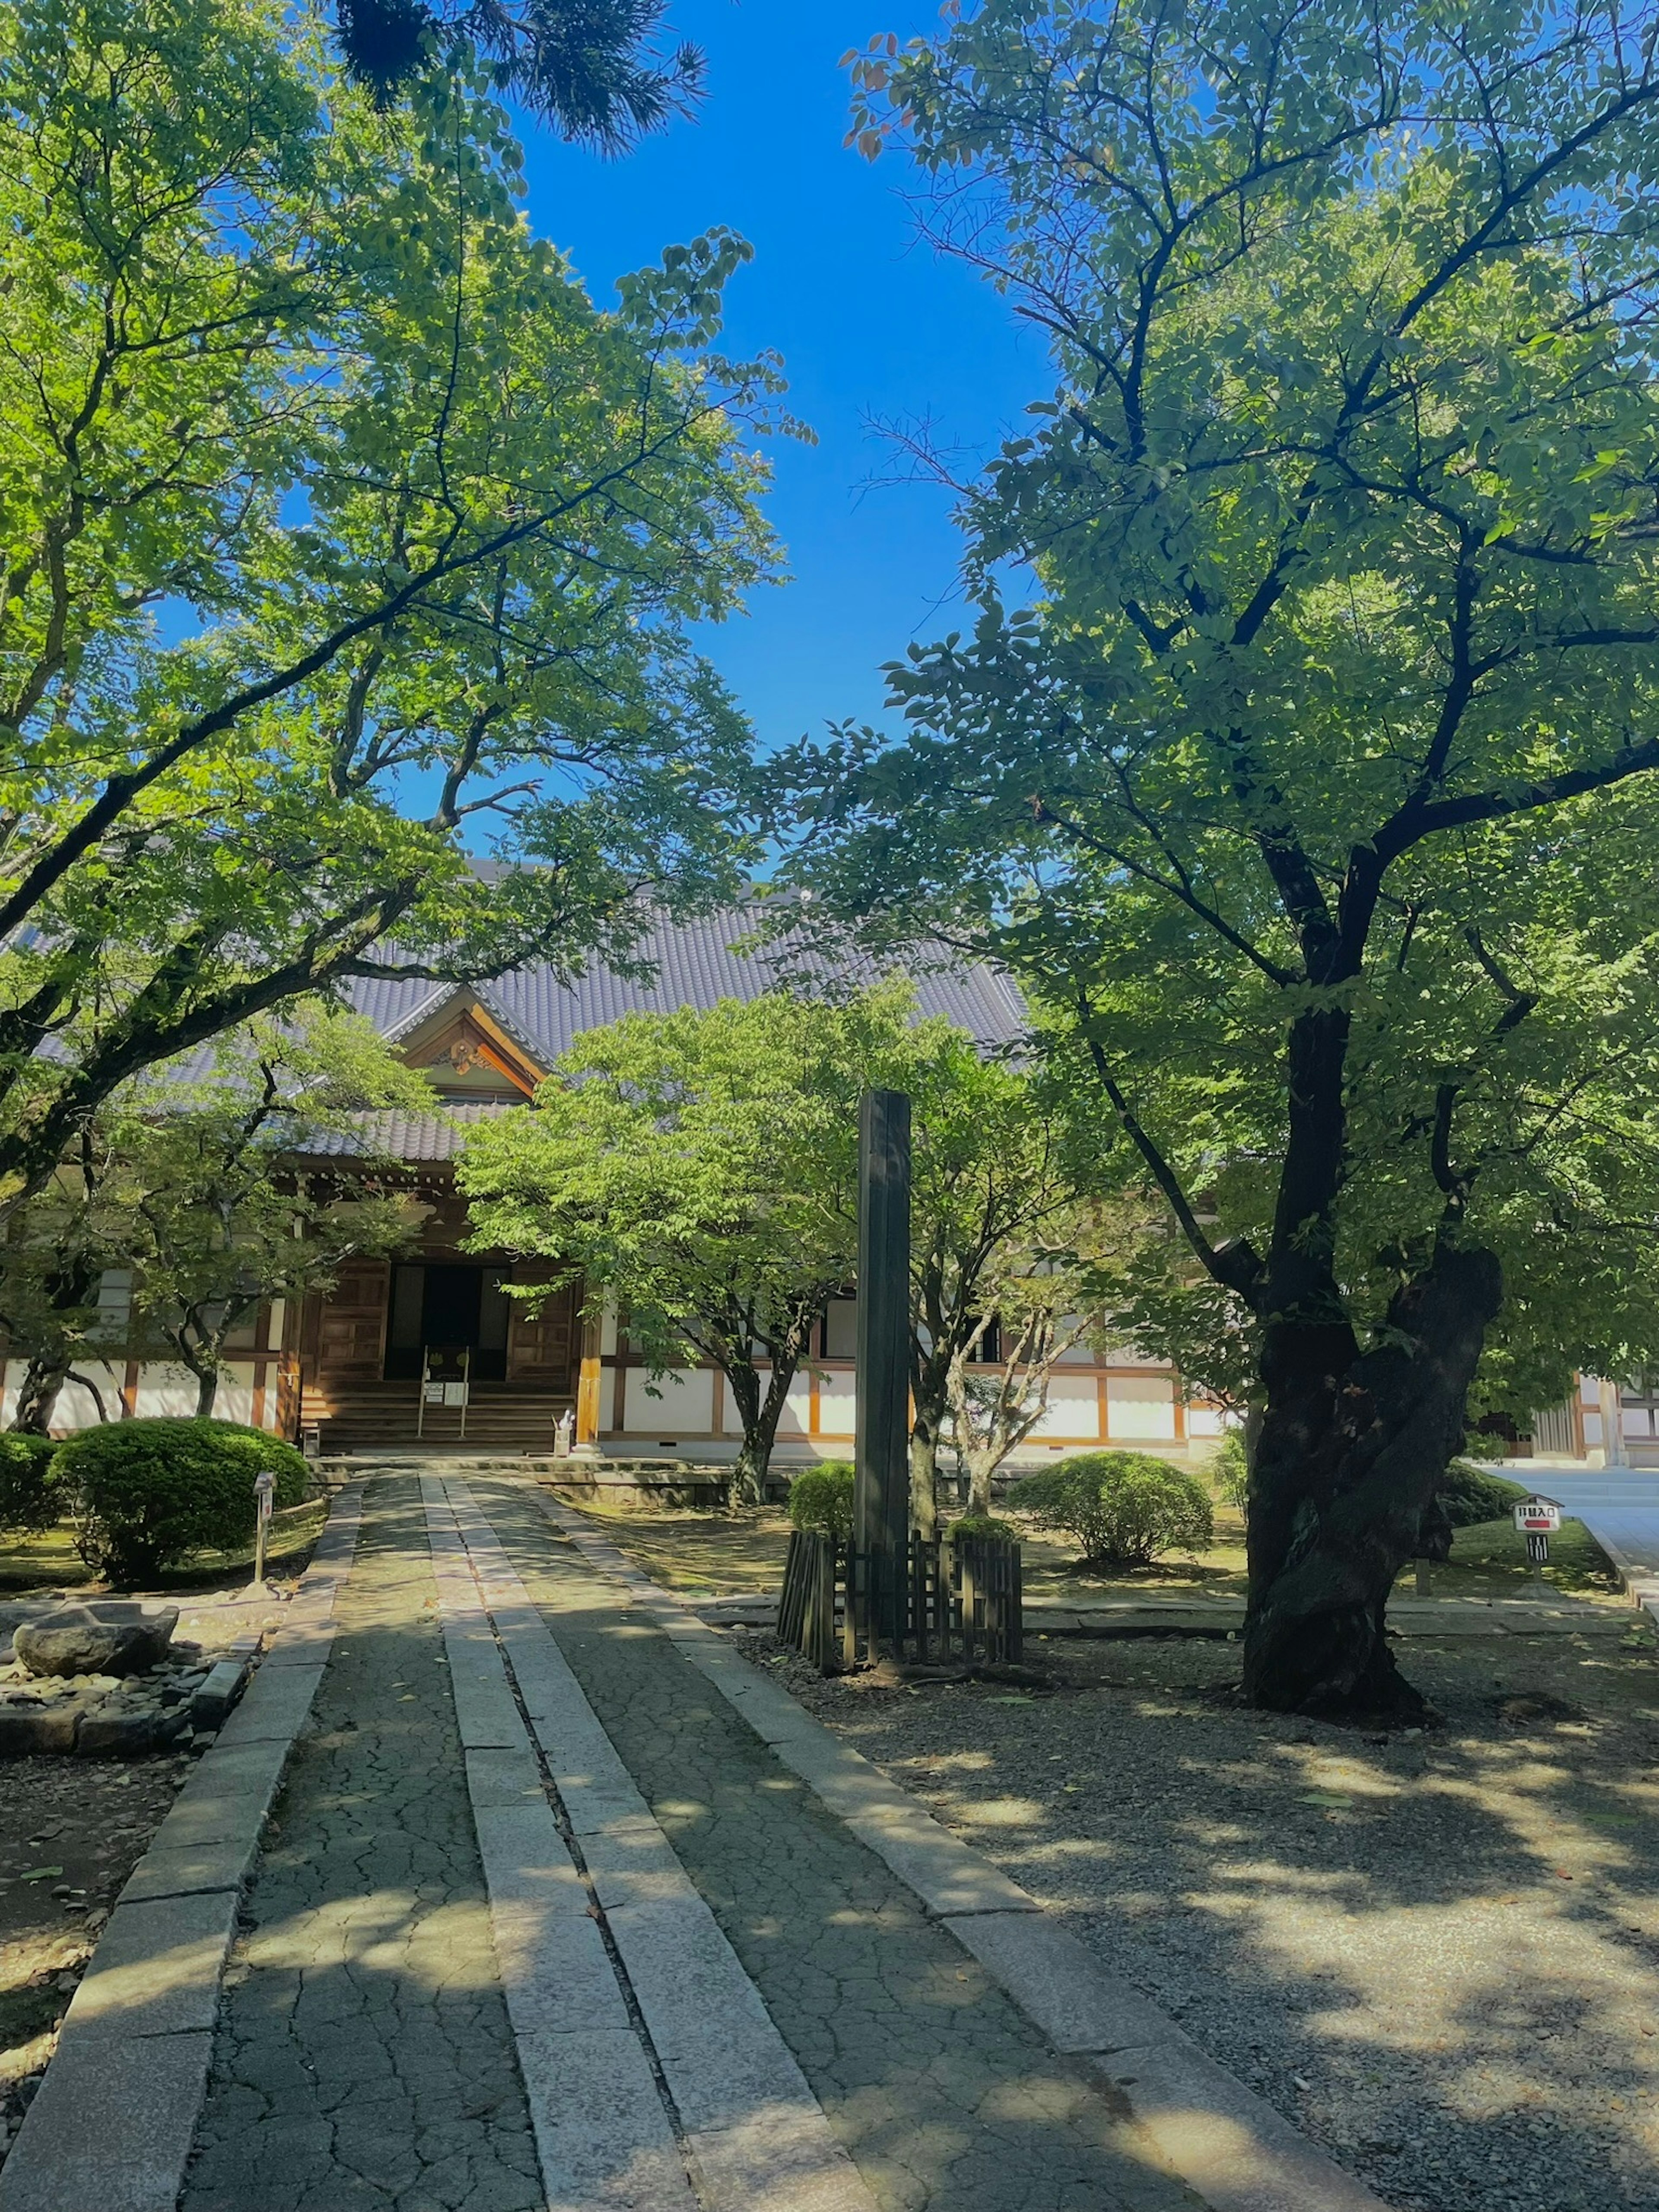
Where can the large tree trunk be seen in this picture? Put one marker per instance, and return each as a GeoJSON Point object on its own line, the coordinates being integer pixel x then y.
{"type": "Point", "coordinates": [37, 1401]}
{"type": "Point", "coordinates": [1351, 1451]}
{"type": "Point", "coordinates": [207, 1392]}
{"type": "Point", "coordinates": [760, 1414]}
{"type": "Point", "coordinates": [48, 1370]}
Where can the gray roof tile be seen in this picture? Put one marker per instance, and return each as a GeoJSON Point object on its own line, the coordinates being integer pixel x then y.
{"type": "Point", "coordinates": [695, 963]}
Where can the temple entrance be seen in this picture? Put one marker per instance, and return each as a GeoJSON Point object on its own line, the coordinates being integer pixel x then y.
{"type": "Point", "coordinates": [447, 1307]}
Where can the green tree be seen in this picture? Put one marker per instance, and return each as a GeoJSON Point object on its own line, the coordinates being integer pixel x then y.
{"type": "Point", "coordinates": [993, 1201]}
{"type": "Point", "coordinates": [210, 1211]}
{"type": "Point", "coordinates": [1308, 787]}
{"type": "Point", "coordinates": [52, 1259]}
{"type": "Point", "coordinates": [337, 522]}
{"type": "Point", "coordinates": [189, 1187]}
{"type": "Point", "coordinates": [698, 1170]}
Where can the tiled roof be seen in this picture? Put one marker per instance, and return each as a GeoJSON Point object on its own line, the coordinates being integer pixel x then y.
{"type": "Point", "coordinates": [694, 963]}
{"type": "Point", "coordinates": [436, 1136]}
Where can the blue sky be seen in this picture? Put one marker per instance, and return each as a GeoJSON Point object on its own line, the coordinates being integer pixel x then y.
{"type": "Point", "coordinates": [869, 322]}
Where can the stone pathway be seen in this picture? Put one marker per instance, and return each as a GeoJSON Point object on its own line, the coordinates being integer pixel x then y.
{"type": "Point", "coordinates": [767, 1980]}
{"type": "Point", "coordinates": [940, 2089]}
{"type": "Point", "coordinates": [364, 2059]}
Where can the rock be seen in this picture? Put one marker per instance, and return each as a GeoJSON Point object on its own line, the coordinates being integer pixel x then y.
{"type": "Point", "coordinates": [28, 1731]}
{"type": "Point", "coordinates": [109, 1735]}
{"type": "Point", "coordinates": [210, 1708]}
{"type": "Point", "coordinates": [113, 1639]}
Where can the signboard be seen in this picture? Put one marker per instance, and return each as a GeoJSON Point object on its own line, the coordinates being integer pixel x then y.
{"type": "Point", "coordinates": [446, 1376]}
{"type": "Point", "coordinates": [1539, 1516]}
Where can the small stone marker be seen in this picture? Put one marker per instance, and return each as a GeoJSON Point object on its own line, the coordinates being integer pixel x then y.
{"type": "Point", "coordinates": [264, 1488]}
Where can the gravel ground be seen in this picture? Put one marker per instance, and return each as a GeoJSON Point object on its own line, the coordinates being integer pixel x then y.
{"type": "Point", "coordinates": [1437, 1952]}
{"type": "Point", "coordinates": [72, 1830]}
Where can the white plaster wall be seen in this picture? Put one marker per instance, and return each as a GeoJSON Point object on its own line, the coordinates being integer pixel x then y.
{"type": "Point", "coordinates": [1140, 1406]}
{"type": "Point", "coordinates": [838, 1407]}
{"type": "Point", "coordinates": [163, 1388]}
{"type": "Point", "coordinates": [1206, 1421]}
{"type": "Point", "coordinates": [683, 1403]}
{"type": "Point", "coordinates": [796, 1408]}
{"type": "Point", "coordinates": [1073, 1410]}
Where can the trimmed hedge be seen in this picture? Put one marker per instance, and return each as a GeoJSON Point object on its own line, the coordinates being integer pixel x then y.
{"type": "Point", "coordinates": [29, 1497]}
{"type": "Point", "coordinates": [1121, 1509]}
{"type": "Point", "coordinates": [146, 1494]}
{"type": "Point", "coordinates": [821, 1499]}
{"type": "Point", "coordinates": [1468, 1494]}
{"type": "Point", "coordinates": [981, 1528]}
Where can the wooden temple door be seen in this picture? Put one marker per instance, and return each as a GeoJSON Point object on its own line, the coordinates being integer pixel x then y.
{"type": "Point", "coordinates": [351, 1332]}
{"type": "Point", "coordinates": [539, 1344]}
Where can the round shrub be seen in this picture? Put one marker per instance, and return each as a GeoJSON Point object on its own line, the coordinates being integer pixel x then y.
{"type": "Point", "coordinates": [29, 1496]}
{"type": "Point", "coordinates": [1469, 1494]}
{"type": "Point", "coordinates": [1121, 1509]}
{"type": "Point", "coordinates": [821, 1499]}
{"type": "Point", "coordinates": [146, 1494]}
{"type": "Point", "coordinates": [981, 1528]}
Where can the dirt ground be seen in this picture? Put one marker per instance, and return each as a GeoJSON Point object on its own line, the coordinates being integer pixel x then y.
{"type": "Point", "coordinates": [72, 1830]}
{"type": "Point", "coordinates": [1436, 1952]}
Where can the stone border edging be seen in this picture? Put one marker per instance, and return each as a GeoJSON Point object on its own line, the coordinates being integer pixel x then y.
{"type": "Point", "coordinates": [111, 2127]}
{"type": "Point", "coordinates": [1641, 1586]}
{"type": "Point", "coordinates": [1229, 2145]}
{"type": "Point", "coordinates": [756, 2134]}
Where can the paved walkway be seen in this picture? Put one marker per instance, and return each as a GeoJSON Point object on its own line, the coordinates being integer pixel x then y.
{"type": "Point", "coordinates": [733, 1977]}
{"type": "Point", "coordinates": [364, 2056]}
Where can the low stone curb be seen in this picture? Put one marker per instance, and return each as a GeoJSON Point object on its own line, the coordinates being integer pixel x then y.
{"type": "Point", "coordinates": [1639, 1584]}
{"type": "Point", "coordinates": [111, 2126]}
{"type": "Point", "coordinates": [1227, 2143]}
{"type": "Point", "coordinates": [754, 2133]}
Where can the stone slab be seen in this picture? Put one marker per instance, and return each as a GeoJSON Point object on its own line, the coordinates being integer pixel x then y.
{"type": "Point", "coordinates": [1226, 2143]}
{"type": "Point", "coordinates": [29, 1731]}
{"type": "Point", "coordinates": [210, 1708]}
{"type": "Point", "coordinates": [274, 1707]}
{"type": "Point", "coordinates": [69, 2156]}
{"type": "Point", "coordinates": [948, 1876]}
{"type": "Point", "coordinates": [525, 1858]}
{"type": "Point", "coordinates": [631, 1861]}
{"type": "Point", "coordinates": [503, 1778]}
{"type": "Point", "coordinates": [593, 1806]}
{"type": "Point", "coordinates": [301, 1643]}
{"type": "Point", "coordinates": [1058, 1983]}
{"type": "Point", "coordinates": [602, 2136]}
{"type": "Point", "coordinates": [211, 1819]}
{"type": "Point", "coordinates": [486, 1712]}
{"type": "Point", "coordinates": [758, 2134]}
{"type": "Point", "coordinates": [557, 1974]}
{"type": "Point", "coordinates": [182, 1870]}
{"type": "Point", "coordinates": [243, 1769]}
{"type": "Point", "coordinates": [156, 1969]}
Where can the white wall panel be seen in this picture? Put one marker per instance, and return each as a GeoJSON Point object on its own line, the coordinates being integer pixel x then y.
{"type": "Point", "coordinates": [796, 1408]}
{"type": "Point", "coordinates": [838, 1404]}
{"type": "Point", "coordinates": [1073, 1410]}
{"type": "Point", "coordinates": [683, 1402]}
{"type": "Point", "coordinates": [1140, 1407]}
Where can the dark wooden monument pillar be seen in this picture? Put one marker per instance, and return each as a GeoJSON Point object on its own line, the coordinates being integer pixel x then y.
{"type": "Point", "coordinates": [881, 1502]}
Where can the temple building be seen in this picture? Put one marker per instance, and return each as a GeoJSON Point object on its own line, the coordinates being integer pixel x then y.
{"type": "Point", "coordinates": [426, 1350]}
